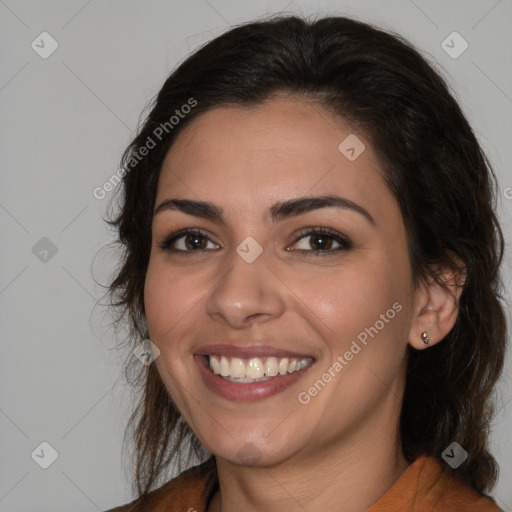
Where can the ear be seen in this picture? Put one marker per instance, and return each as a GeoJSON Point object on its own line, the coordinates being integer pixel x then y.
{"type": "Point", "coordinates": [436, 307]}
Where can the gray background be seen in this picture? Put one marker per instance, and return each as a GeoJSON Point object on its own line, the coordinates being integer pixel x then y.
{"type": "Point", "coordinates": [64, 122]}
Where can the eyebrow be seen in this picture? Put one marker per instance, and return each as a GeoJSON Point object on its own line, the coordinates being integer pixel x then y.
{"type": "Point", "coordinates": [277, 212]}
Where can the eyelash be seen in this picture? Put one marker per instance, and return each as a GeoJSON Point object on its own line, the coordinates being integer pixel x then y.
{"type": "Point", "coordinates": [342, 240]}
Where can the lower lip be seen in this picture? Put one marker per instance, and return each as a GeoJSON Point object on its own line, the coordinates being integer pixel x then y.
{"type": "Point", "coordinates": [250, 391]}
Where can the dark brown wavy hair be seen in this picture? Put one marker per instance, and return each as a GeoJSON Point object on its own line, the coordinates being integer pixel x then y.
{"type": "Point", "coordinates": [435, 168]}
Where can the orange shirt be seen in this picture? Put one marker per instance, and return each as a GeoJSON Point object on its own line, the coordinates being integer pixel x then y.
{"type": "Point", "coordinates": [425, 486]}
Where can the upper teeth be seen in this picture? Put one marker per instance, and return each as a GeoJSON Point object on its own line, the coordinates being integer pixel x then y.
{"type": "Point", "coordinates": [256, 368]}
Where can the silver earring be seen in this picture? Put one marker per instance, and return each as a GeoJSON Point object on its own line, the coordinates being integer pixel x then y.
{"type": "Point", "coordinates": [425, 338]}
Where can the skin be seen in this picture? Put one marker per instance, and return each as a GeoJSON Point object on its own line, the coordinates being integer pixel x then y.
{"type": "Point", "coordinates": [343, 446]}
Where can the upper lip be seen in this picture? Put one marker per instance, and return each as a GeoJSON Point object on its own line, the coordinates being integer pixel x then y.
{"type": "Point", "coordinates": [247, 351]}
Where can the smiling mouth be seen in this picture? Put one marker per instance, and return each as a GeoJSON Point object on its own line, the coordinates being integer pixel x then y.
{"type": "Point", "coordinates": [256, 369]}
{"type": "Point", "coordinates": [250, 373]}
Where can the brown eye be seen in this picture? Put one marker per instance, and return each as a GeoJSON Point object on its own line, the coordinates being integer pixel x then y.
{"type": "Point", "coordinates": [188, 241]}
{"type": "Point", "coordinates": [195, 242]}
{"type": "Point", "coordinates": [322, 240]}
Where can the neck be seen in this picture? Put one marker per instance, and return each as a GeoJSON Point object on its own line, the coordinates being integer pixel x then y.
{"type": "Point", "coordinates": [346, 476]}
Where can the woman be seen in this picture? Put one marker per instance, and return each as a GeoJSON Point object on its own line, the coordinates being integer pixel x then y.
{"type": "Point", "coordinates": [311, 247]}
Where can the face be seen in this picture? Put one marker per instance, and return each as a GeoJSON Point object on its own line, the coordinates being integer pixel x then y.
{"type": "Point", "coordinates": [282, 311]}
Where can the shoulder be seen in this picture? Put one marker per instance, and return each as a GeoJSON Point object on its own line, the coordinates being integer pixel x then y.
{"type": "Point", "coordinates": [429, 486]}
{"type": "Point", "coordinates": [189, 490]}
{"type": "Point", "coordinates": [456, 495]}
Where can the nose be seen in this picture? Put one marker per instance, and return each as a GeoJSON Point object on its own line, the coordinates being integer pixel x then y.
{"type": "Point", "coordinates": [248, 293]}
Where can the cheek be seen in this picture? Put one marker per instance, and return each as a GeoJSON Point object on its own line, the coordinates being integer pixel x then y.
{"type": "Point", "coordinates": [168, 297]}
{"type": "Point", "coordinates": [352, 297]}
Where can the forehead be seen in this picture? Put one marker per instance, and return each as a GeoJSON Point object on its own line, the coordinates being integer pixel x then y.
{"type": "Point", "coordinates": [283, 148]}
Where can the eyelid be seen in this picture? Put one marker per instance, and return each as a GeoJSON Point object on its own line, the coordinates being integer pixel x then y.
{"type": "Point", "coordinates": [344, 242]}
{"type": "Point", "coordinates": [166, 243]}
{"type": "Point", "coordinates": [342, 239]}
